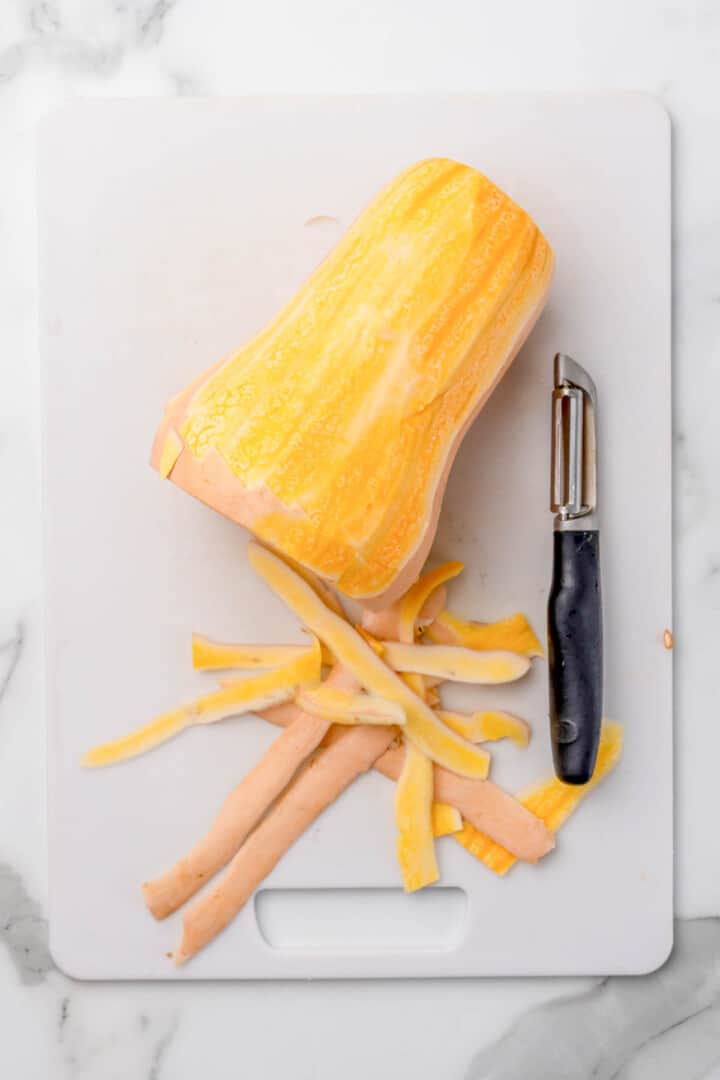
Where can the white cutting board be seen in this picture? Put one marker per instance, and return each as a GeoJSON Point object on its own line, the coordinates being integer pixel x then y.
{"type": "Point", "coordinates": [170, 232]}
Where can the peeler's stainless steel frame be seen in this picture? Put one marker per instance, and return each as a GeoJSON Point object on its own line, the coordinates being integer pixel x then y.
{"type": "Point", "coordinates": [573, 496]}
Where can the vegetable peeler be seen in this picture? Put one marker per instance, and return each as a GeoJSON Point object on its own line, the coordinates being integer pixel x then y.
{"type": "Point", "coordinates": [575, 651]}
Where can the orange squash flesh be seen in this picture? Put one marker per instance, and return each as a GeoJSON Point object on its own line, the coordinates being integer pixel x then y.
{"type": "Point", "coordinates": [331, 433]}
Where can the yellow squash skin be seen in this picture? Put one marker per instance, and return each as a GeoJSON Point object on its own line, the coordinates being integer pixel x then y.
{"type": "Point", "coordinates": [446, 820]}
{"type": "Point", "coordinates": [331, 433]}
{"type": "Point", "coordinates": [414, 821]}
{"type": "Point", "coordinates": [550, 800]}
{"type": "Point", "coordinates": [237, 696]}
{"type": "Point", "coordinates": [487, 726]}
{"type": "Point", "coordinates": [514, 634]}
{"type": "Point", "coordinates": [422, 726]}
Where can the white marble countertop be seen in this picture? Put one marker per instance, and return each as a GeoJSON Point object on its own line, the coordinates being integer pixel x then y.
{"type": "Point", "coordinates": [665, 1026]}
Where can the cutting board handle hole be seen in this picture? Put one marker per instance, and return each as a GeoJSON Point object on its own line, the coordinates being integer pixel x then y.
{"type": "Point", "coordinates": [361, 920]}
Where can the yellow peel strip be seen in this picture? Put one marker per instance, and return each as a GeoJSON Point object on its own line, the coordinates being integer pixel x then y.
{"type": "Point", "coordinates": [413, 817]}
{"type": "Point", "coordinates": [415, 598]}
{"type": "Point", "coordinates": [424, 728]}
{"type": "Point", "coordinates": [343, 707]}
{"type": "Point", "coordinates": [244, 695]}
{"type": "Point", "coordinates": [210, 655]}
{"type": "Point", "coordinates": [550, 800]}
{"type": "Point", "coordinates": [487, 726]}
{"type": "Point", "coordinates": [514, 634]}
{"type": "Point", "coordinates": [376, 645]}
{"type": "Point", "coordinates": [327, 594]}
{"type": "Point", "coordinates": [446, 819]}
{"type": "Point", "coordinates": [456, 663]}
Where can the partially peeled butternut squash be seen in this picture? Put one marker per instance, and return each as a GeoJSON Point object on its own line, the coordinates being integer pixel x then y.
{"type": "Point", "coordinates": [331, 433]}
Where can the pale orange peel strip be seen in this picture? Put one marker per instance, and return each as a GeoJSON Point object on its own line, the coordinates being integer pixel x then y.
{"type": "Point", "coordinates": [446, 819]}
{"type": "Point", "coordinates": [210, 655]}
{"type": "Point", "coordinates": [514, 634]}
{"type": "Point", "coordinates": [344, 707]}
{"type": "Point", "coordinates": [484, 804]}
{"type": "Point", "coordinates": [487, 726]}
{"type": "Point", "coordinates": [413, 817]}
{"type": "Point", "coordinates": [245, 695]}
{"type": "Point", "coordinates": [245, 806]}
{"type": "Point", "coordinates": [424, 728]}
{"type": "Point", "coordinates": [549, 800]}
{"type": "Point", "coordinates": [311, 792]}
{"type": "Point", "coordinates": [455, 663]}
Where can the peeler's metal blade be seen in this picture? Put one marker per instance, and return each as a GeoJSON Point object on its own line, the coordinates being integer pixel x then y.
{"type": "Point", "coordinates": [574, 446]}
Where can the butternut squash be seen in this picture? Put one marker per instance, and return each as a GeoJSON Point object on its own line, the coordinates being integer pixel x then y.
{"type": "Point", "coordinates": [331, 433]}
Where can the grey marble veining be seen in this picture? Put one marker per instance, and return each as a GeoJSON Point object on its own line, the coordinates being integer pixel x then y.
{"type": "Point", "coordinates": [597, 1034]}
{"type": "Point", "coordinates": [160, 1049]}
{"type": "Point", "coordinates": [23, 929]}
{"type": "Point", "coordinates": [10, 652]}
{"type": "Point", "coordinates": [56, 34]}
{"type": "Point", "coordinates": [664, 1027]}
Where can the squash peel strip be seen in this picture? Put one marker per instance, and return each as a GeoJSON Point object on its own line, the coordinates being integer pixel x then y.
{"type": "Point", "coordinates": [487, 726]}
{"type": "Point", "coordinates": [513, 634]}
{"type": "Point", "coordinates": [244, 695]}
{"type": "Point", "coordinates": [446, 819]}
{"type": "Point", "coordinates": [417, 818]}
{"type": "Point", "coordinates": [343, 707]}
{"type": "Point", "coordinates": [208, 655]}
{"type": "Point", "coordinates": [418, 594]}
{"type": "Point", "coordinates": [424, 728]}
{"type": "Point", "coordinates": [549, 800]}
{"type": "Point", "coordinates": [456, 663]}
{"type": "Point", "coordinates": [413, 817]}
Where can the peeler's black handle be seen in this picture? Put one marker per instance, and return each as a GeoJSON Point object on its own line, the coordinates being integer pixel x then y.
{"type": "Point", "coordinates": [575, 654]}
